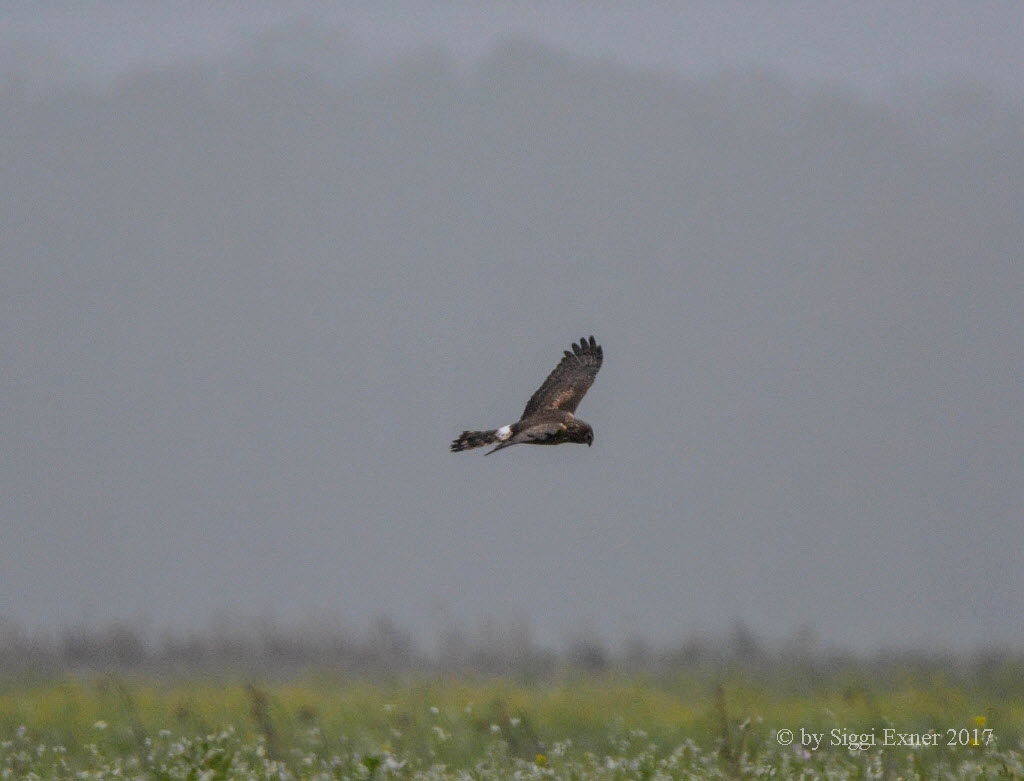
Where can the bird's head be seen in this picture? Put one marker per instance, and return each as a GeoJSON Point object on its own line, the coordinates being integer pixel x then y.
{"type": "Point", "coordinates": [583, 433]}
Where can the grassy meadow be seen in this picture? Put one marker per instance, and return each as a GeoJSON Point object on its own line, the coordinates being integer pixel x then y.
{"type": "Point", "coordinates": [716, 723]}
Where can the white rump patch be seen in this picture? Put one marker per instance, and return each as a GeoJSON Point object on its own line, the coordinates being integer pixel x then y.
{"type": "Point", "coordinates": [504, 433]}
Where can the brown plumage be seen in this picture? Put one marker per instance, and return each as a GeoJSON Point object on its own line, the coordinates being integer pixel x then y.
{"type": "Point", "coordinates": [549, 417]}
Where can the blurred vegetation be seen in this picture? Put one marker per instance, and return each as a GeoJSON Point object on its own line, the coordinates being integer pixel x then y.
{"type": "Point", "coordinates": [298, 700]}
{"type": "Point", "coordinates": [423, 721]}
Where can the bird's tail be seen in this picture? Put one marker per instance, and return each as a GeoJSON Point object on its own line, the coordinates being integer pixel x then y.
{"type": "Point", "coordinates": [468, 440]}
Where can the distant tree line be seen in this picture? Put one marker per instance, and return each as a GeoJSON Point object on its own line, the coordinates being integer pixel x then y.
{"type": "Point", "coordinates": [273, 649]}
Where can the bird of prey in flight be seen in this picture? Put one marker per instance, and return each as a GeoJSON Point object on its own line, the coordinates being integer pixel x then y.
{"type": "Point", "coordinates": [548, 418]}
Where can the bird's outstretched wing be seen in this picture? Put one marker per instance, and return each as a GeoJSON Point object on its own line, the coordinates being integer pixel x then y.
{"type": "Point", "coordinates": [571, 379]}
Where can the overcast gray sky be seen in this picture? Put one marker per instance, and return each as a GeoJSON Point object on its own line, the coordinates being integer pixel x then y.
{"type": "Point", "coordinates": [261, 263]}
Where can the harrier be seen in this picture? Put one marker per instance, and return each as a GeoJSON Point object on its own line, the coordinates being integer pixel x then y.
{"type": "Point", "coordinates": [548, 418]}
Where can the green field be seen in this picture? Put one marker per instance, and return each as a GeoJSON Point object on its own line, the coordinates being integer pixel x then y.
{"type": "Point", "coordinates": [465, 727]}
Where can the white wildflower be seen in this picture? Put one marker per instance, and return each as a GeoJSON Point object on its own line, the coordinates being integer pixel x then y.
{"type": "Point", "coordinates": [393, 764]}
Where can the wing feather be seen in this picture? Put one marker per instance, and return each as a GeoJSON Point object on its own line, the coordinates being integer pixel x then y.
{"type": "Point", "coordinates": [565, 387]}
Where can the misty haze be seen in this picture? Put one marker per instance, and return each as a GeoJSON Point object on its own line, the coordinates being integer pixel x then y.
{"type": "Point", "coordinates": [248, 300]}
